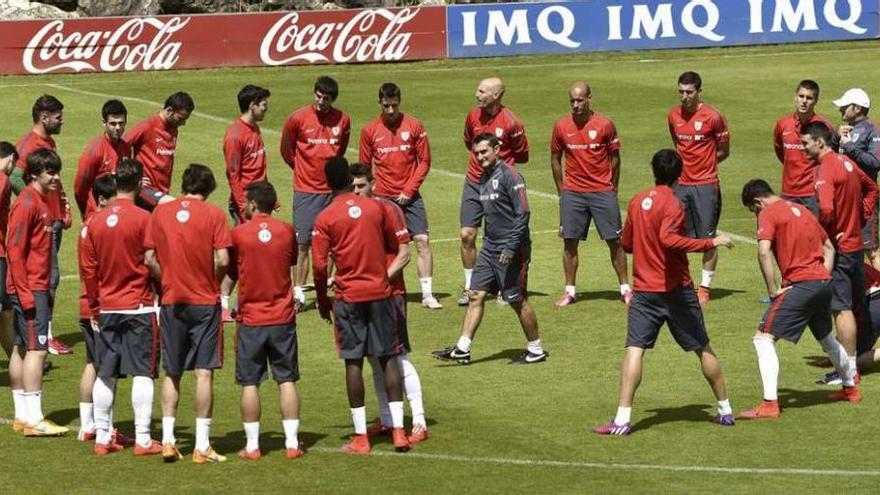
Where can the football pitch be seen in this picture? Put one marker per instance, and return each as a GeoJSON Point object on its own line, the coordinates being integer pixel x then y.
{"type": "Point", "coordinates": [494, 427]}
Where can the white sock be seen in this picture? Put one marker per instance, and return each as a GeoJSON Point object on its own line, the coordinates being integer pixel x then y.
{"type": "Point", "coordinates": [853, 365]}
{"type": "Point", "coordinates": [724, 407]}
{"type": "Point", "coordinates": [396, 413]}
{"type": "Point", "coordinates": [464, 343]}
{"type": "Point", "coordinates": [33, 407]}
{"type": "Point", "coordinates": [49, 331]}
{"type": "Point", "coordinates": [299, 294]}
{"type": "Point", "coordinates": [534, 347]}
{"type": "Point", "coordinates": [18, 403]}
{"type": "Point", "coordinates": [224, 302]}
{"type": "Point", "coordinates": [413, 387]}
{"type": "Point", "coordinates": [708, 276]}
{"type": "Point", "coordinates": [570, 290]}
{"type": "Point", "coordinates": [203, 434]}
{"type": "Point", "coordinates": [359, 419]}
{"type": "Point", "coordinates": [142, 403]}
{"type": "Point", "coordinates": [623, 415]}
{"type": "Point", "coordinates": [102, 395]}
{"type": "Point", "coordinates": [291, 430]}
{"type": "Point", "coordinates": [837, 354]}
{"type": "Point", "coordinates": [86, 416]}
{"type": "Point", "coordinates": [168, 430]}
{"type": "Point", "coordinates": [768, 366]}
{"type": "Point", "coordinates": [427, 287]}
{"type": "Point", "coordinates": [381, 394]}
{"type": "Point", "coordinates": [252, 432]}
{"type": "Point", "coordinates": [624, 288]}
{"type": "Point", "coordinates": [468, 273]}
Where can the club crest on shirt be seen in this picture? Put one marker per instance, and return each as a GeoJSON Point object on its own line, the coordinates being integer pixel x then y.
{"type": "Point", "coordinates": [592, 133]}
{"type": "Point", "coordinates": [112, 220]}
{"type": "Point", "coordinates": [494, 183]}
{"type": "Point", "coordinates": [183, 216]}
{"type": "Point", "coordinates": [848, 165]}
{"type": "Point", "coordinates": [42, 339]}
{"type": "Point", "coordinates": [264, 235]}
{"type": "Point", "coordinates": [647, 203]}
{"type": "Point", "coordinates": [404, 135]}
{"type": "Point", "coordinates": [855, 136]}
{"type": "Point", "coordinates": [335, 131]}
{"type": "Point", "coordinates": [354, 212]}
{"type": "Point", "coordinates": [796, 212]}
{"type": "Point", "coordinates": [84, 231]}
{"type": "Point", "coordinates": [499, 132]}
{"type": "Point", "coordinates": [698, 125]}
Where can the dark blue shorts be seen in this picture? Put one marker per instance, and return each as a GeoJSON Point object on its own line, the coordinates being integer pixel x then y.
{"type": "Point", "coordinates": [471, 214]}
{"type": "Point", "coordinates": [578, 210]}
{"type": "Point", "coordinates": [127, 345]}
{"type": "Point", "coordinates": [847, 281]}
{"type": "Point", "coordinates": [306, 207]}
{"type": "Point", "coordinates": [806, 303]}
{"type": "Point", "coordinates": [366, 329]}
{"type": "Point", "coordinates": [702, 209]}
{"type": "Point", "coordinates": [192, 338]}
{"type": "Point", "coordinates": [510, 281]}
{"type": "Point", "coordinates": [678, 308]}
{"type": "Point", "coordinates": [257, 347]}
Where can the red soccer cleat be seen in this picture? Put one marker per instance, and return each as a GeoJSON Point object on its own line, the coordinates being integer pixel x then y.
{"type": "Point", "coordinates": [154, 449]}
{"type": "Point", "coordinates": [703, 295]}
{"type": "Point", "coordinates": [378, 429]}
{"type": "Point", "coordinates": [57, 347]}
{"type": "Point", "coordinates": [851, 394]}
{"type": "Point", "coordinates": [86, 436]}
{"type": "Point", "coordinates": [295, 453]}
{"type": "Point", "coordinates": [359, 444]}
{"type": "Point", "coordinates": [104, 449]}
{"type": "Point", "coordinates": [252, 455]}
{"type": "Point", "coordinates": [399, 439]}
{"type": "Point", "coordinates": [123, 440]}
{"type": "Point", "coordinates": [419, 434]}
{"type": "Point", "coordinates": [564, 300]}
{"type": "Point", "coordinates": [768, 409]}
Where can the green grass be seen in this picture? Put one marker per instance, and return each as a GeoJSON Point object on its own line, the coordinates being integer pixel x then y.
{"type": "Point", "coordinates": [490, 410]}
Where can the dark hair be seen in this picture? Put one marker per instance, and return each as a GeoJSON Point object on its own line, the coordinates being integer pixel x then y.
{"type": "Point", "coordinates": [361, 170]}
{"type": "Point", "coordinates": [104, 187]}
{"type": "Point", "coordinates": [328, 86]}
{"type": "Point", "coordinates": [338, 173]}
{"type": "Point", "coordinates": [113, 107]}
{"type": "Point", "coordinates": [809, 85]}
{"type": "Point", "coordinates": [817, 130]}
{"type": "Point", "coordinates": [6, 149]}
{"type": "Point", "coordinates": [129, 174]}
{"type": "Point", "coordinates": [180, 101]}
{"type": "Point", "coordinates": [198, 179]}
{"type": "Point", "coordinates": [263, 193]}
{"type": "Point", "coordinates": [691, 77]}
{"type": "Point", "coordinates": [389, 90]}
{"type": "Point", "coordinates": [666, 165]}
{"type": "Point", "coordinates": [251, 94]}
{"type": "Point", "coordinates": [486, 136]}
{"type": "Point", "coordinates": [42, 160]}
{"type": "Point", "coordinates": [755, 188]}
{"type": "Point", "coordinates": [46, 103]}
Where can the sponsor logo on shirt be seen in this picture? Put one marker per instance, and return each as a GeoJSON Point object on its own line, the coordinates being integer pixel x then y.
{"type": "Point", "coordinates": [393, 149]}
{"type": "Point", "coordinates": [165, 151]}
{"type": "Point", "coordinates": [489, 197]}
{"type": "Point", "coordinates": [591, 146]}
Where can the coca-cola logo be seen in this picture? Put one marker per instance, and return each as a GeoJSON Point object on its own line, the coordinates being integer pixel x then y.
{"type": "Point", "coordinates": [372, 35]}
{"type": "Point", "coordinates": [127, 47]}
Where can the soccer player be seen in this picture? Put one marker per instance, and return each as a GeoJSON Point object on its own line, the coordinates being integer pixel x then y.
{"type": "Point", "coordinates": [859, 140]}
{"type": "Point", "coordinates": [503, 264]}
{"type": "Point", "coordinates": [121, 301]}
{"type": "Point", "coordinates": [154, 142]}
{"type": "Point", "coordinates": [29, 252]}
{"type": "Point", "coordinates": [48, 117]}
{"type": "Point", "coordinates": [245, 156]}
{"type": "Point", "coordinates": [8, 157]}
{"type": "Point", "coordinates": [798, 169]}
{"type": "Point", "coordinates": [312, 135]}
{"type": "Point", "coordinates": [396, 146]}
{"type": "Point", "coordinates": [102, 155]}
{"type": "Point", "coordinates": [357, 234]}
{"type": "Point", "coordinates": [588, 186]}
{"type": "Point", "coordinates": [846, 198]}
{"type": "Point", "coordinates": [805, 258]}
{"type": "Point", "coordinates": [492, 117]}
{"type": "Point", "coordinates": [664, 292]}
{"type": "Point", "coordinates": [264, 252]}
{"type": "Point", "coordinates": [700, 135]}
{"type": "Point", "coordinates": [183, 239]}
{"type": "Point", "coordinates": [364, 186]}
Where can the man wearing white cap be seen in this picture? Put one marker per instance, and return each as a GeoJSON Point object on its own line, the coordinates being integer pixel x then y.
{"type": "Point", "coordinates": [860, 142]}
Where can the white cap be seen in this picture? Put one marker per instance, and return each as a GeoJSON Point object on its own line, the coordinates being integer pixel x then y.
{"type": "Point", "coordinates": [853, 96]}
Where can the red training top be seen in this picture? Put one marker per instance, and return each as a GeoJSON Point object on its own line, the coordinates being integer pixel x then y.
{"type": "Point", "coordinates": [310, 139]}
{"type": "Point", "coordinates": [5, 198]}
{"type": "Point", "coordinates": [245, 160]}
{"type": "Point", "coordinates": [507, 127]}
{"type": "Point", "coordinates": [696, 137]}
{"type": "Point", "coordinates": [797, 240]}
{"type": "Point", "coordinates": [398, 222]}
{"type": "Point", "coordinates": [798, 169]}
{"type": "Point", "coordinates": [27, 144]}
{"type": "Point", "coordinates": [100, 157]}
{"type": "Point", "coordinates": [587, 148]}
{"type": "Point", "coordinates": [399, 155]}
{"type": "Point", "coordinates": [846, 197]}
{"type": "Point", "coordinates": [154, 144]}
{"type": "Point", "coordinates": [29, 246]}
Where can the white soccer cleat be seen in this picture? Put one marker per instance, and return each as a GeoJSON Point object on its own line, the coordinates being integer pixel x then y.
{"type": "Point", "coordinates": [431, 302]}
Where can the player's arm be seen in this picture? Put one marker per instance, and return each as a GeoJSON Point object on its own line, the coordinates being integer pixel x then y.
{"type": "Point", "coordinates": [345, 136]}
{"type": "Point", "coordinates": [867, 159]}
{"type": "Point", "coordinates": [152, 262]}
{"type": "Point", "coordinates": [519, 143]}
{"type": "Point", "coordinates": [557, 148]}
{"type": "Point", "coordinates": [423, 163]}
{"type": "Point", "coordinates": [778, 146]}
{"type": "Point", "coordinates": [670, 237]}
{"type": "Point", "coordinates": [396, 234]}
{"type": "Point", "coordinates": [365, 148]}
{"type": "Point", "coordinates": [825, 198]}
{"type": "Point", "coordinates": [222, 241]}
{"type": "Point", "coordinates": [765, 262]}
{"type": "Point", "coordinates": [520, 221]}
{"type": "Point", "coordinates": [320, 255]}
{"type": "Point", "coordinates": [289, 135]}
{"type": "Point", "coordinates": [722, 135]}
{"type": "Point", "coordinates": [828, 255]}
{"type": "Point", "coordinates": [615, 168]}
{"type": "Point", "coordinates": [870, 194]}
{"type": "Point", "coordinates": [221, 263]}
{"type": "Point", "coordinates": [18, 245]}
{"type": "Point", "coordinates": [232, 151]}
{"type": "Point", "coordinates": [16, 179]}
{"type": "Point", "coordinates": [468, 135]}
{"type": "Point", "coordinates": [88, 272]}
{"type": "Point", "coordinates": [85, 174]}
{"type": "Point", "coordinates": [626, 238]}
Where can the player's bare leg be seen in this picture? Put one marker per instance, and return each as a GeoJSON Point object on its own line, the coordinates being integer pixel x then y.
{"type": "Point", "coordinates": [86, 406]}
{"type": "Point", "coordinates": [618, 262]}
{"type": "Point", "coordinates": [354, 387]}
{"type": "Point", "coordinates": [290, 408]}
{"type": "Point", "coordinates": [630, 379]}
{"type": "Point", "coordinates": [866, 360]}
{"type": "Point", "coordinates": [16, 383]}
{"type": "Point", "coordinates": [425, 269]}
{"type": "Point", "coordinates": [204, 402]}
{"type": "Point", "coordinates": [250, 417]}
{"type": "Point", "coordinates": [170, 401]}
{"type": "Point", "coordinates": [528, 320]}
{"type": "Point", "coordinates": [711, 367]}
{"type": "Point", "coordinates": [227, 285]}
{"type": "Point", "coordinates": [302, 274]}
{"type": "Point", "coordinates": [394, 389]}
{"type": "Point", "coordinates": [845, 322]}
{"type": "Point", "coordinates": [569, 268]}
{"type": "Point", "coordinates": [468, 260]}
{"type": "Point", "coordinates": [873, 257]}
{"type": "Point", "coordinates": [710, 263]}
{"type": "Point", "coordinates": [461, 351]}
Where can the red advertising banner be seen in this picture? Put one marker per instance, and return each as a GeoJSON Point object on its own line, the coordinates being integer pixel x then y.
{"type": "Point", "coordinates": [113, 44]}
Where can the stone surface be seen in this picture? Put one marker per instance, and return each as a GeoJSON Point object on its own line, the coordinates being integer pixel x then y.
{"type": "Point", "coordinates": [23, 9]}
{"type": "Point", "coordinates": [98, 8]}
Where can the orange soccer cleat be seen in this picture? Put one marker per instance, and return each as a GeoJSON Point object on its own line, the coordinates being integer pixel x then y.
{"type": "Point", "coordinates": [851, 394]}
{"type": "Point", "coordinates": [768, 409]}
{"type": "Point", "coordinates": [359, 444]}
{"type": "Point", "coordinates": [154, 448]}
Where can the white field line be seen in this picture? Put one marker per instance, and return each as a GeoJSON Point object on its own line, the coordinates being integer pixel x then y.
{"type": "Point", "coordinates": [407, 68]}
{"type": "Point", "coordinates": [217, 118]}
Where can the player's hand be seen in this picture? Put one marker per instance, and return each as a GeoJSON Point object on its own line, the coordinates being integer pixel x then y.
{"type": "Point", "coordinates": [66, 217]}
{"type": "Point", "coordinates": [845, 133]}
{"type": "Point", "coordinates": [779, 292]}
{"type": "Point", "coordinates": [402, 199]}
{"type": "Point", "coordinates": [723, 240]}
{"type": "Point", "coordinates": [504, 260]}
{"type": "Point", "coordinates": [94, 324]}
{"type": "Point", "coordinates": [560, 232]}
{"type": "Point", "coordinates": [324, 311]}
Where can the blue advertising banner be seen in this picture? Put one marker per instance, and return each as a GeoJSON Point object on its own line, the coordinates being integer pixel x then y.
{"type": "Point", "coordinates": [603, 25]}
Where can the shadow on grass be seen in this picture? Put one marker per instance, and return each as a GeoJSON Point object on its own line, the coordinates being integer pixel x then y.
{"type": "Point", "coordinates": [507, 354]}
{"type": "Point", "coordinates": [694, 413]}
{"type": "Point", "coordinates": [818, 361]}
{"type": "Point", "coordinates": [269, 441]}
{"type": "Point", "coordinates": [384, 438]}
{"type": "Point", "coordinates": [796, 399]}
{"type": "Point", "coordinates": [604, 295]}
{"type": "Point", "coordinates": [719, 293]}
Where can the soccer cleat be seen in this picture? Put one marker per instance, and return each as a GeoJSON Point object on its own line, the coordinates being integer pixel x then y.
{"type": "Point", "coordinates": [564, 300]}
{"type": "Point", "coordinates": [44, 428]}
{"type": "Point", "coordinates": [208, 457]}
{"type": "Point", "coordinates": [431, 302]}
{"type": "Point", "coordinates": [123, 440]}
{"type": "Point", "coordinates": [529, 357]}
{"type": "Point", "coordinates": [767, 409]}
{"type": "Point", "coordinates": [851, 394]}
{"type": "Point", "coordinates": [724, 420]}
{"type": "Point", "coordinates": [104, 449]}
{"type": "Point", "coordinates": [18, 425]}
{"type": "Point", "coordinates": [627, 297]}
{"type": "Point", "coordinates": [252, 455]}
{"type": "Point", "coordinates": [500, 301]}
{"type": "Point", "coordinates": [170, 453]}
{"type": "Point", "coordinates": [154, 448]}
{"type": "Point", "coordinates": [464, 299]}
{"type": "Point", "coordinates": [613, 429]}
{"type": "Point", "coordinates": [58, 348]}
{"type": "Point", "coordinates": [295, 453]}
{"type": "Point", "coordinates": [419, 433]}
{"type": "Point", "coordinates": [226, 316]}
{"type": "Point", "coordinates": [359, 444]}
{"type": "Point", "coordinates": [833, 378]}
{"type": "Point", "coordinates": [703, 295]}
{"type": "Point", "coordinates": [400, 440]}
{"type": "Point", "coordinates": [378, 429]}
{"type": "Point", "coordinates": [86, 436]}
{"type": "Point", "coordinates": [453, 353]}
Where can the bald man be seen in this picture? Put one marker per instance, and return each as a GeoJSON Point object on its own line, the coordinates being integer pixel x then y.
{"type": "Point", "coordinates": [490, 116]}
{"type": "Point", "coordinates": [587, 186]}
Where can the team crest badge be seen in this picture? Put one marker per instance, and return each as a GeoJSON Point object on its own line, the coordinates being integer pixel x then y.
{"type": "Point", "coordinates": [335, 131]}
{"type": "Point", "coordinates": [796, 212]}
{"type": "Point", "coordinates": [404, 135]}
{"type": "Point", "coordinates": [848, 165]}
{"type": "Point", "coordinates": [182, 216]}
{"type": "Point", "coordinates": [264, 236]}
{"type": "Point", "coordinates": [84, 232]}
{"type": "Point", "coordinates": [354, 212]}
{"type": "Point", "coordinates": [698, 125]}
{"type": "Point", "coordinates": [499, 132]}
{"type": "Point", "coordinates": [855, 136]}
{"type": "Point", "coordinates": [592, 134]}
{"type": "Point", "coordinates": [42, 339]}
{"type": "Point", "coordinates": [494, 183]}
{"type": "Point", "coordinates": [647, 203]}
{"type": "Point", "coordinates": [112, 220]}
